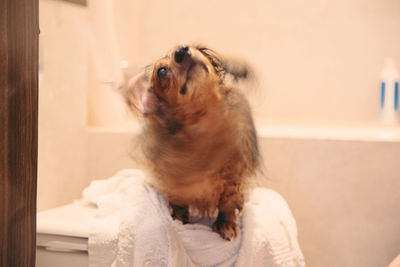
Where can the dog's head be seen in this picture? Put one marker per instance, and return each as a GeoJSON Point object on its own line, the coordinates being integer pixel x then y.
{"type": "Point", "coordinates": [186, 76]}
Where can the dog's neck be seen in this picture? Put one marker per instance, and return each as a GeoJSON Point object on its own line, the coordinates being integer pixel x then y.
{"type": "Point", "coordinates": [191, 144]}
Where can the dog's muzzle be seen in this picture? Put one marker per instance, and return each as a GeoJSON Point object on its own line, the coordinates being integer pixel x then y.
{"type": "Point", "coordinates": [181, 53]}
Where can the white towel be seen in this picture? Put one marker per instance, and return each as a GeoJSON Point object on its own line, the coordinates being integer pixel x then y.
{"type": "Point", "coordinates": [134, 228]}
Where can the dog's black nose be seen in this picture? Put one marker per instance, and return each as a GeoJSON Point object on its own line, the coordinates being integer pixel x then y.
{"type": "Point", "coordinates": [181, 53]}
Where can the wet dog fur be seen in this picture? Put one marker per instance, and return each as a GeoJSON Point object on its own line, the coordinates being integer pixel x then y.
{"type": "Point", "coordinates": [199, 139]}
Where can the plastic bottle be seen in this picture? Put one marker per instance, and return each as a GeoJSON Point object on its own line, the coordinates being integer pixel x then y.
{"type": "Point", "coordinates": [389, 104]}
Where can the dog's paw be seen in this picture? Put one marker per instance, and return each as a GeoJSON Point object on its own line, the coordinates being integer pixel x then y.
{"type": "Point", "coordinates": [228, 230]}
{"type": "Point", "coordinates": [181, 217]}
{"type": "Point", "coordinates": [180, 213]}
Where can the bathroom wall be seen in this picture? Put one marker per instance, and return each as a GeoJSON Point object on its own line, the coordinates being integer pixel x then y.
{"type": "Point", "coordinates": [317, 60]}
{"type": "Point", "coordinates": [68, 77]}
{"type": "Point", "coordinates": [62, 103]}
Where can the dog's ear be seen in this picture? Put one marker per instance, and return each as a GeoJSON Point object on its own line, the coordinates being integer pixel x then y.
{"type": "Point", "coordinates": [238, 68]}
{"type": "Point", "coordinates": [139, 95]}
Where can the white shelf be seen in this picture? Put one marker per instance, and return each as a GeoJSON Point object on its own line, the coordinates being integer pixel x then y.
{"type": "Point", "coordinates": [361, 132]}
{"type": "Point", "coordinates": [330, 132]}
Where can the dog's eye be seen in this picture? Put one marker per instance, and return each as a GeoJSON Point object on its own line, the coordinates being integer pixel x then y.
{"type": "Point", "coordinates": [162, 72]}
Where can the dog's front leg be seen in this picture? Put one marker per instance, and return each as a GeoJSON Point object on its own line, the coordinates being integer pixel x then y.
{"type": "Point", "coordinates": [180, 213]}
{"type": "Point", "coordinates": [226, 223]}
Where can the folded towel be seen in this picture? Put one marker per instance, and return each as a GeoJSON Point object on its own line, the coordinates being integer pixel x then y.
{"type": "Point", "coordinates": [134, 228]}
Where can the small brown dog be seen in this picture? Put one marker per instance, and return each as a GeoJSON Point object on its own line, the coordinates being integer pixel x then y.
{"type": "Point", "coordinates": [199, 139]}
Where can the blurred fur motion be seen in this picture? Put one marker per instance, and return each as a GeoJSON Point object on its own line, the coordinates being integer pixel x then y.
{"type": "Point", "coordinates": [199, 140]}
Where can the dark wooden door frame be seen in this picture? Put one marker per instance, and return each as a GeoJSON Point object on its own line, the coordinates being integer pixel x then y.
{"type": "Point", "coordinates": [19, 34]}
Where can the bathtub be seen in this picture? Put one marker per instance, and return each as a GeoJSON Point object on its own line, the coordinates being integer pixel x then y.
{"type": "Point", "coordinates": [342, 184]}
